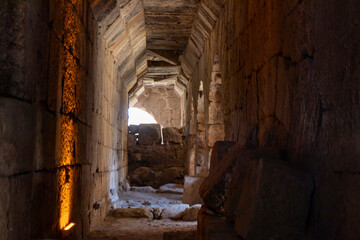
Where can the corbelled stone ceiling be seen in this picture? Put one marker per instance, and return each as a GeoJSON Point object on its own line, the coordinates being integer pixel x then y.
{"type": "Point", "coordinates": [168, 27]}
{"type": "Point", "coordinates": [164, 38]}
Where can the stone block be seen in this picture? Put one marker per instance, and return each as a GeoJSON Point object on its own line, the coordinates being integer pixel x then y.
{"type": "Point", "coordinates": [213, 227]}
{"type": "Point", "coordinates": [171, 135]}
{"type": "Point", "coordinates": [275, 196]}
{"type": "Point", "coordinates": [218, 152]}
{"type": "Point", "coordinates": [149, 134]}
{"type": "Point", "coordinates": [191, 190]}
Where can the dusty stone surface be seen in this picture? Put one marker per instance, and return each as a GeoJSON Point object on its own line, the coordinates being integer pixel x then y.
{"type": "Point", "coordinates": [180, 235]}
{"type": "Point", "coordinates": [191, 213]}
{"type": "Point", "coordinates": [132, 213]}
{"type": "Point", "coordinates": [133, 199]}
{"type": "Point", "coordinates": [149, 134]}
{"type": "Point", "coordinates": [128, 229]}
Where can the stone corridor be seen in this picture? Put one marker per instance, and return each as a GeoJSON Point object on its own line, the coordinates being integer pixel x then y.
{"type": "Point", "coordinates": [258, 111]}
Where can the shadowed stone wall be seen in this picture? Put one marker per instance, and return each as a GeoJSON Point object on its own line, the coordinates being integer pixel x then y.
{"type": "Point", "coordinates": [290, 79]}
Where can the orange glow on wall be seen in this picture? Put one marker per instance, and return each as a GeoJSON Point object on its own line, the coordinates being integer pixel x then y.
{"type": "Point", "coordinates": [69, 110]}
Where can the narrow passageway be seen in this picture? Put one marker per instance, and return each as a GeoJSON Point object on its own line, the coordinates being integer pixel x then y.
{"type": "Point", "coordinates": [256, 119]}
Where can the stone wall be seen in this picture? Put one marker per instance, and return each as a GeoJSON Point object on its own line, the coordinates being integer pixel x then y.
{"type": "Point", "coordinates": [63, 111]}
{"type": "Point", "coordinates": [152, 163]}
{"type": "Point", "coordinates": [290, 80]}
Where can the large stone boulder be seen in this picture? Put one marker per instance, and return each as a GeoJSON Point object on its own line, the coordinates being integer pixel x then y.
{"type": "Point", "coordinates": [149, 134]}
{"type": "Point", "coordinates": [172, 135]}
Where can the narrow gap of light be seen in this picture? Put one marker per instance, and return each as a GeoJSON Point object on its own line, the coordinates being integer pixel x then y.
{"type": "Point", "coordinates": [69, 226]}
{"type": "Point", "coordinates": [138, 116]}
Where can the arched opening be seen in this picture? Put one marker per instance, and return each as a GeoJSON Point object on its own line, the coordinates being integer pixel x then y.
{"type": "Point", "coordinates": [138, 116]}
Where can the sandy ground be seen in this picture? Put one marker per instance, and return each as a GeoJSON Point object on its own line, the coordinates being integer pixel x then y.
{"type": "Point", "coordinates": [142, 228]}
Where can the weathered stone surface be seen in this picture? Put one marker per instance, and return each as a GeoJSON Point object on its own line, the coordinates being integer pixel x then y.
{"type": "Point", "coordinates": [180, 235]}
{"type": "Point", "coordinates": [174, 211]}
{"type": "Point", "coordinates": [149, 134]}
{"type": "Point", "coordinates": [132, 213]}
{"type": "Point", "coordinates": [218, 152]}
{"type": "Point", "coordinates": [212, 226]}
{"type": "Point", "coordinates": [191, 213]}
{"type": "Point", "coordinates": [191, 190]}
{"type": "Point", "coordinates": [274, 196]}
{"type": "Point", "coordinates": [171, 135]}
